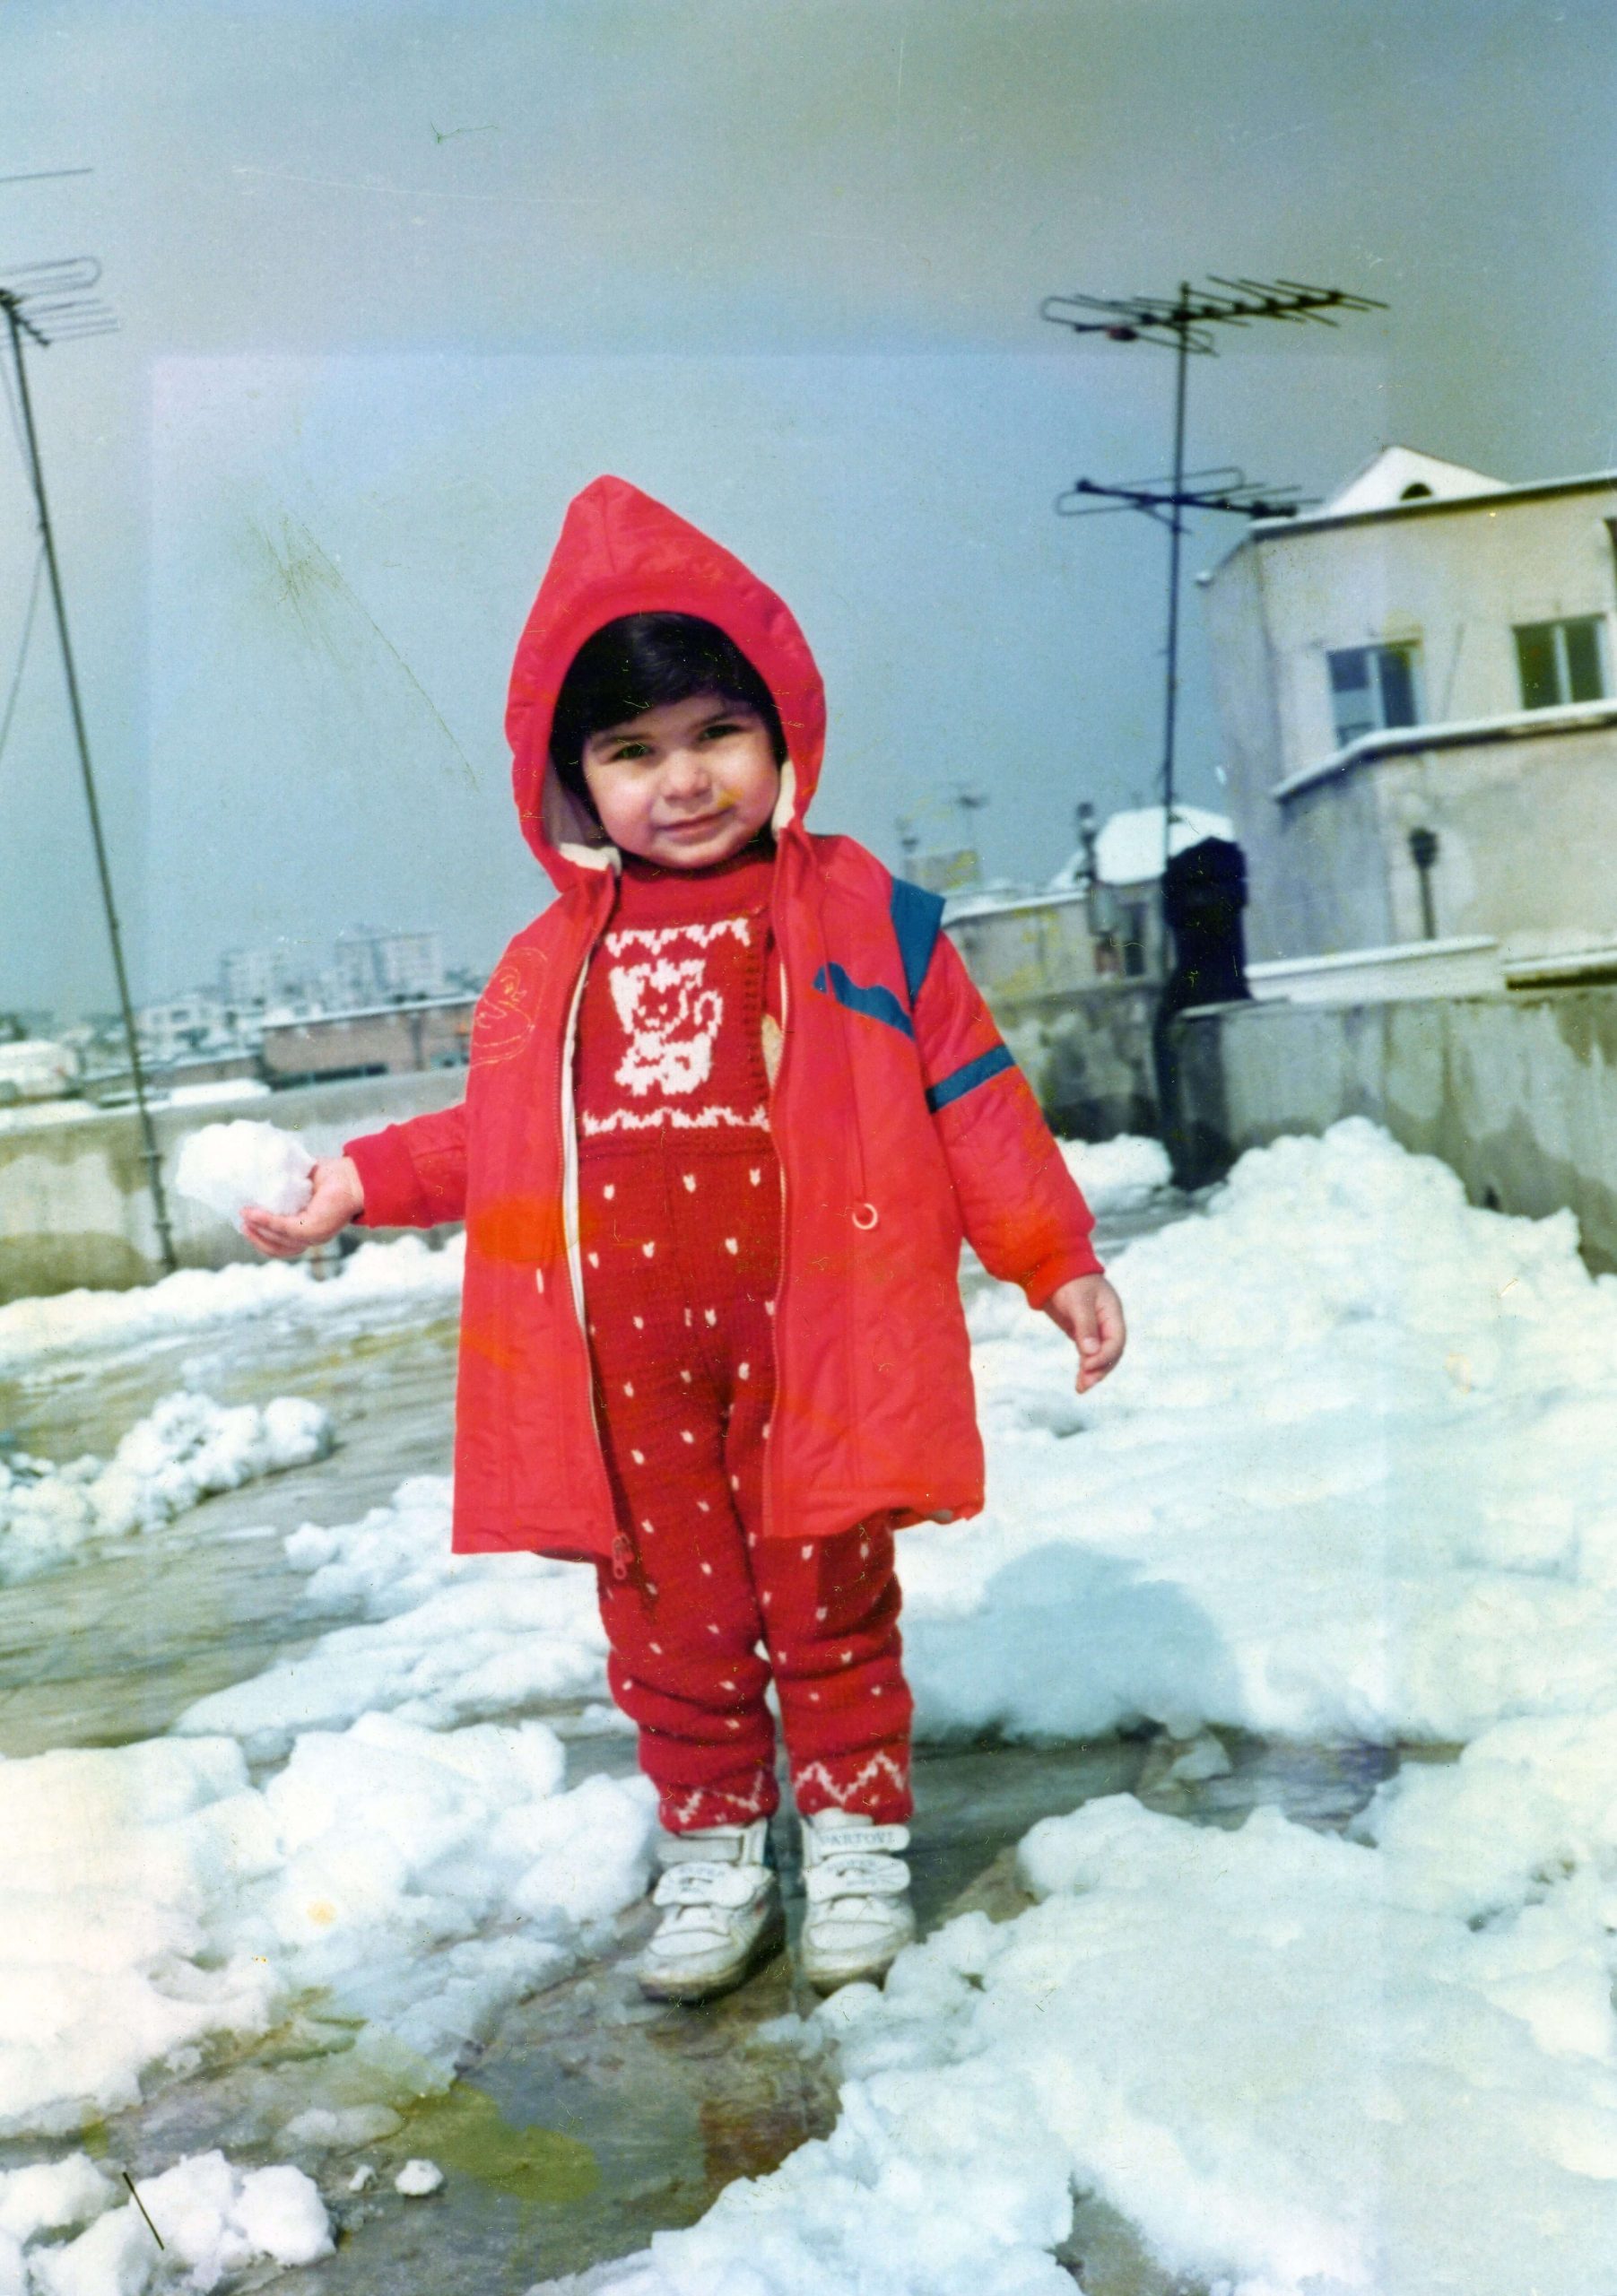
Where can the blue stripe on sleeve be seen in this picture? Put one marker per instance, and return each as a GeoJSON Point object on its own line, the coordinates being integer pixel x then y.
{"type": "Point", "coordinates": [955, 1087]}
{"type": "Point", "coordinates": [876, 1003]}
{"type": "Point", "coordinates": [917, 917]}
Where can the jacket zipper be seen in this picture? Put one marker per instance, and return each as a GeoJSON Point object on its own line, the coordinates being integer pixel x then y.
{"type": "Point", "coordinates": [775, 1319]}
{"type": "Point", "coordinates": [622, 1547]}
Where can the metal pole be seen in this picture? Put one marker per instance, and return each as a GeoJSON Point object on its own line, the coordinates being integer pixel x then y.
{"type": "Point", "coordinates": [149, 1148]}
{"type": "Point", "coordinates": [1176, 530]}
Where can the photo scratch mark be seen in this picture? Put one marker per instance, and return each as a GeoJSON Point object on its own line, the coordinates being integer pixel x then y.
{"type": "Point", "coordinates": [448, 134]}
{"type": "Point", "coordinates": [306, 580]}
{"type": "Point", "coordinates": [141, 2204]}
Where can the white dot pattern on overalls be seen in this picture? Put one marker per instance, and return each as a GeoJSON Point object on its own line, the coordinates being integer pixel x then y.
{"type": "Point", "coordinates": [649, 1248]}
{"type": "Point", "coordinates": [629, 1387]}
{"type": "Point", "coordinates": [610, 1190]}
{"type": "Point", "coordinates": [743, 1370]}
{"type": "Point", "coordinates": [686, 1436]}
{"type": "Point", "coordinates": [731, 1245]}
{"type": "Point", "coordinates": [689, 1180]}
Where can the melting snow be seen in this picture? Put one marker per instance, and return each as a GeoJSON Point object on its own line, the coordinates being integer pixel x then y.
{"type": "Point", "coordinates": [185, 1448]}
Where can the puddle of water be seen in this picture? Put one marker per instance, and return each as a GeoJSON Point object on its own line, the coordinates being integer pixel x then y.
{"type": "Point", "coordinates": [467, 2135]}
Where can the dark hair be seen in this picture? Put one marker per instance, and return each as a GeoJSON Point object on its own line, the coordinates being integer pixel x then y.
{"type": "Point", "coordinates": [641, 662]}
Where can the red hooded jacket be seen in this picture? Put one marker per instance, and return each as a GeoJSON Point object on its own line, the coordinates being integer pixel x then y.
{"type": "Point", "coordinates": [899, 1119]}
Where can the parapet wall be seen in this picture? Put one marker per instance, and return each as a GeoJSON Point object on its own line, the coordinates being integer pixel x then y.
{"type": "Point", "coordinates": [74, 1204]}
{"type": "Point", "coordinates": [1517, 1092]}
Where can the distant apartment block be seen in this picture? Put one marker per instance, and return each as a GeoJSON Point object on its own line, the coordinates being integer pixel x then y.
{"type": "Point", "coordinates": [375, 968]}
{"type": "Point", "coordinates": [182, 1025]}
{"type": "Point", "coordinates": [250, 979]}
{"type": "Point", "coordinates": [1419, 714]}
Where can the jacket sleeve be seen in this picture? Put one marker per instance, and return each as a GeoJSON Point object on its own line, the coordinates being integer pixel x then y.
{"type": "Point", "coordinates": [1021, 1209]}
{"type": "Point", "coordinates": [413, 1174]}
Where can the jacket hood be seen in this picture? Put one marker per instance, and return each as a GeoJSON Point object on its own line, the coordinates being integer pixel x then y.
{"type": "Point", "coordinates": [621, 553]}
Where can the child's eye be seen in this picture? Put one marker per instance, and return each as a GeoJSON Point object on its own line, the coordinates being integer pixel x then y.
{"type": "Point", "coordinates": [631, 751]}
{"type": "Point", "coordinates": [717, 733]}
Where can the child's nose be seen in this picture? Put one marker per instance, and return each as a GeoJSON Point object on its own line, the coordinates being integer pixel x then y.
{"type": "Point", "coordinates": [687, 773]}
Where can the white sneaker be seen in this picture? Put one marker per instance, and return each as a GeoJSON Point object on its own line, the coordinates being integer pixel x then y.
{"type": "Point", "coordinates": [859, 1916]}
{"type": "Point", "coordinates": [723, 1913]}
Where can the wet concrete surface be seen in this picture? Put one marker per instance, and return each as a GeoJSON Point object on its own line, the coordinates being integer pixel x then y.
{"type": "Point", "coordinates": [117, 1646]}
{"type": "Point", "coordinates": [593, 2119]}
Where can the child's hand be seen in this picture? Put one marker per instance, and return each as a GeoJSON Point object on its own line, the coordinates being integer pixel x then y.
{"type": "Point", "coordinates": [338, 1196]}
{"type": "Point", "coordinates": [1091, 1314]}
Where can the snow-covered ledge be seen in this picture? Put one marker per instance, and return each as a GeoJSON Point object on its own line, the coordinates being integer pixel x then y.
{"type": "Point", "coordinates": [1464, 733]}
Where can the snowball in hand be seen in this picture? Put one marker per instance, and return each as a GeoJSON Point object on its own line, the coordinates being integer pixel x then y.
{"type": "Point", "coordinates": [228, 1166]}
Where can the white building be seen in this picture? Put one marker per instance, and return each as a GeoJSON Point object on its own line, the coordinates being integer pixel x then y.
{"type": "Point", "coordinates": [1416, 685]}
{"type": "Point", "coordinates": [194, 1021]}
{"type": "Point", "coordinates": [375, 968]}
{"type": "Point", "coordinates": [250, 979]}
{"type": "Point", "coordinates": [36, 1068]}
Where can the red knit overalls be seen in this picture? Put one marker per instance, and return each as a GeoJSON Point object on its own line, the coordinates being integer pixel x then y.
{"type": "Point", "coordinates": [680, 1226]}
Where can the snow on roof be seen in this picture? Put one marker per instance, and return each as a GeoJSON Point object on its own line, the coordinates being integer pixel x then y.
{"type": "Point", "coordinates": [1393, 471]}
{"type": "Point", "coordinates": [1128, 849]}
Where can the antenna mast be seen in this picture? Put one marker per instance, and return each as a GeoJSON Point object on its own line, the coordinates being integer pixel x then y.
{"type": "Point", "coordinates": [46, 303]}
{"type": "Point", "coordinates": [1187, 324]}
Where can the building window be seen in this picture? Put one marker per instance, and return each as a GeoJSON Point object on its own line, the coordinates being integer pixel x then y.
{"type": "Point", "coordinates": [1372, 689]}
{"type": "Point", "coordinates": [1560, 662]}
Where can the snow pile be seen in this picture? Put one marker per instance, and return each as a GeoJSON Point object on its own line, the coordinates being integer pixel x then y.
{"type": "Point", "coordinates": [1353, 1480]}
{"type": "Point", "coordinates": [153, 1901]}
{"type": "Point", "coordinates": [215, 2220]}
{"type": "Point", "coordinates": [1298, 2065]}
{"type": "Point", "coordinates": [1118, 1174]}
{"type": "Point", "coordinates": [228, 1166]}
{"type": "Point", "coordinates": [375, 1276]}
{"type": "Point", "coordinates": [185, 1450]}
{"type": "Point", "coordinates": [448, 1639]}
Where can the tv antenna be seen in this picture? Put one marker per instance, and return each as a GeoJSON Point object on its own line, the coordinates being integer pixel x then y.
{"type": "Point", "coordinates": [1187, 324]}
{"type": "Point", "coordinates": [44, 304]}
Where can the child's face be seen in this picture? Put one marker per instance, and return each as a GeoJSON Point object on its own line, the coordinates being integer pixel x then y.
{"type": "Point", "coordinates": [685, 785]}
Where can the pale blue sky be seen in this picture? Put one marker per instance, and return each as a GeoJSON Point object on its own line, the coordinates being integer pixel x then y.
{"type": "Point", "coordinates": [776, 260]}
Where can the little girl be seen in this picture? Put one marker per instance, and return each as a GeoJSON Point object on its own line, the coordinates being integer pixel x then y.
{"type": "Point", "coordinates": [732, 1103]}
